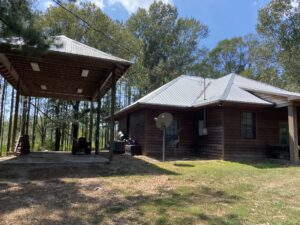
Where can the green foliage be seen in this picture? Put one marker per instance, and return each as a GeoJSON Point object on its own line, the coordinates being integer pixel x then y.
{"type": "Point", "coordinates": [18, 20]}
{"type": "Point", "coordinates": [169, 43]}
{"type": "Point", "coordinates": [279, 23]}
{"type": "Point", "coordinates": [57, 21]}
{"type": "Point", "coordinates": [249, 56]}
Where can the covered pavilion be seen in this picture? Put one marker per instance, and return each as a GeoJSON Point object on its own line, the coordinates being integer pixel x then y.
{"type": "Point", "coordinates": [68, 70]}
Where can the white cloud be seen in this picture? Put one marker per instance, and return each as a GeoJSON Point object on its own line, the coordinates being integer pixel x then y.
{"type": "Point", "coordinates": [132, 5]}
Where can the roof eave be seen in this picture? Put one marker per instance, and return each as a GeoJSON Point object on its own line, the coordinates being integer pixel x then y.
{"type": "Point", "coordinates": [125, 62]}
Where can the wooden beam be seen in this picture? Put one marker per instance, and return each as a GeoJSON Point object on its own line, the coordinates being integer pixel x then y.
{"type": "Point", "coordinates": [8, 66]}
{"type": "Point", "coordinates": [112, 114]}
{"type": "Point", "coordinates": [293, 133]}
{"type": "Point", "coordinates": [98, 91]}
{"type": "Point", "coordinates": [66, 96]}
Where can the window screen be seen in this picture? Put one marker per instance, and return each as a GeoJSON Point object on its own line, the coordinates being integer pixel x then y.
{"type": "Point", "coordinates": [248, 125]}
{"type": "Point", "coordinates": [283, 133]}
{"type": "Point", "coordinates": [172, 137]}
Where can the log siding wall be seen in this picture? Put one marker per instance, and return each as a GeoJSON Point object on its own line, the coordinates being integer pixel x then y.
{"type": "Point", "coordinates": [187, 134]}
{"type": "Point", "coordinates": [224, 139]}
{"type": "Point", "coordinates": [135, 125]}
{"type": "Point", "coordinates": [267, 132]}
{"type": "Point", "coordinates": [211, 145]}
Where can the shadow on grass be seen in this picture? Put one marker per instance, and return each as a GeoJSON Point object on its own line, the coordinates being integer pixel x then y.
{"type": "Point", "coordinates": [267, 163]}
{"type": "Point", "coordinates": [59, 202]}
{"type": "Point", "coordinates": [179, 204]}
{"type": "Point", "coordinates": [44, 198]}
{"type": "Point", "coordinates": [49, 202]}
{"type": "Point", "coordinates": [229, 219]}
{"type": "Point", "coordinates": [122, 165]}
{"type": "Point", "coordinates": [183, 165]}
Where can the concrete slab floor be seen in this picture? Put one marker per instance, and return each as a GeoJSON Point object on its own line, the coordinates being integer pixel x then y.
{"type": "Point", "coordinates": [52, 157]}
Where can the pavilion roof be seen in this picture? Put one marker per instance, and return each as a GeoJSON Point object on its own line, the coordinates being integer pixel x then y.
{"type": "Point", "coordinates": [67, 70]}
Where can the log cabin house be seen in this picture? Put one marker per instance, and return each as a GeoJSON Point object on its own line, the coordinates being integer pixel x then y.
{"type": "Point", "coordinates": [231, 117]}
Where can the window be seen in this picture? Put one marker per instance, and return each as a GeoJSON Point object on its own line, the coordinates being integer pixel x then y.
{"type": "Point", "coordinates": [248, 125]}
{"type": "Point", "coordinates": [283, 133]}
{"type": "Point", "coordinates": [172, 138]}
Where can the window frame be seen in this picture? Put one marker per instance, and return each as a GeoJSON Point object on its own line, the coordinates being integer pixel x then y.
{"type": "Point", "coordinates": [254, 125]}
{"type": "Point", "coordinates": [177, 133]}
{"type": "Point", "coordinates": [279, 133]}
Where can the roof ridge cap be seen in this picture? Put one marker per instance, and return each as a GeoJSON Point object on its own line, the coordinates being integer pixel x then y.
{"type": "Point", "coordinates": [228, 86]}
{"type": "Point", "coordinates": [89, 47]}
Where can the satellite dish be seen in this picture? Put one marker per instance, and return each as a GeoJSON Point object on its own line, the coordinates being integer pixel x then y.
{"type": "Point", "coordinates": [163, 121]}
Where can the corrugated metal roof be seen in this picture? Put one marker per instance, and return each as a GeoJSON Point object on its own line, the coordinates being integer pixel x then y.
{"type": "Point", "coordinates": [253, 85]}
{"type": "Point", "coordinates": [63, 44]}
{"type": "Point", "coordinates": [188, 91]}
{"type": "Point", "coordinates": [67, 45]}
{"type": "Point", "coordinates": [174, 94]}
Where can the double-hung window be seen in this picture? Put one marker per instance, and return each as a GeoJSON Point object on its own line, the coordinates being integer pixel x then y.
{"type": "Point", "coordinates": [248, 125]}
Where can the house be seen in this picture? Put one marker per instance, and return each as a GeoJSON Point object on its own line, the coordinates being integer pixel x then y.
{"type": "Point", "coordinates": [231, 117]}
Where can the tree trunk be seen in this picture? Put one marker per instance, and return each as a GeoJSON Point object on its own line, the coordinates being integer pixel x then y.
{"type": "Point", "coordinates": [2, 112]}
{"type": "Point", "coordinates": [43, 137]}
{"type": "Point", "coordinates": [63, 136]}
{"type": "Point", "coordinates": [2, 104]}
{"type": "Point", "coordinates": [10, 120]}
{"type": "Point", "coordinates": [57, 139]}
{"type": "Point", "coordinates": [51, 135]}
{"type": "Point", "coordinates": [128, 95]}
{"type": "Point", "coordinates": [15, 124]}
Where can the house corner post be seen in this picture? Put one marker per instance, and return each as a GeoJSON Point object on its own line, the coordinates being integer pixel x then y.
{"type": "Point", "coordinates": [293, 133]}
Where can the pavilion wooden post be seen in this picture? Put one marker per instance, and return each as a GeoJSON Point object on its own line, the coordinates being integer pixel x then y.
{"type": "Point", "coordinates": [15, 124]}
{"type": "Point", "coordinates": [97, 126]}
{"type": "Point", "coordinates": [91, 123]}
{"type": "Point", "coordinates": [24, 110]}
{"type": "Point", "coordinates": [27, 115]}
{"type": "Point", "coordinates": [112, 115]}
{"type": "Point", "coordinates": [293, 133]}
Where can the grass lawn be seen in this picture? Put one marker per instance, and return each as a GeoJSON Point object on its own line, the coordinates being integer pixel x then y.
{"type": "Point", "coordinates": [143, 191]}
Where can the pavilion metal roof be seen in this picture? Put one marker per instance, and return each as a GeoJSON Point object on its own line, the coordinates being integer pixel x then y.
{"type": "Point", "coordinates": [67, 45]}
{"type": "Point", "coordinates": [60, 70]}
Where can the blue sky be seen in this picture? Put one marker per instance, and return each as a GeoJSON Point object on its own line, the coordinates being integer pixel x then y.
{"type": "Point", "coordinates": [225, 18]}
